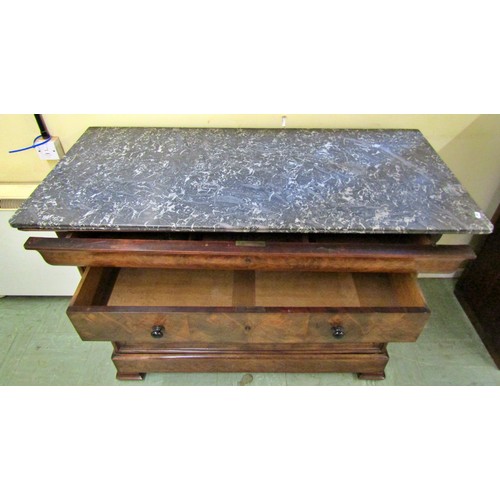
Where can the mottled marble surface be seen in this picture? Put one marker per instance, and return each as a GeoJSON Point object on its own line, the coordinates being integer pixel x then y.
{"type": "Point", "coordinates": [272, 180]}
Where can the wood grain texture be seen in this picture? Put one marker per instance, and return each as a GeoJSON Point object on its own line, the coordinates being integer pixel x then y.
{"type": "Point", "coordinates": [211, 290]}
{"type": "Point", "coordinates": [193, 328]}
{"type": "Point", "coordinates": [161, 287]}
{"type": "Point", "coordinates": [252, 360]}
{"type": "Point", "coordinates": [306, 347]}
{"type": "Point", "coordinates": [243, 289]}
{"type": "Point", "coordinates": [305, 289]}
{"type": "Point", "coordinates": [95, 287]}
{"type": "Point", "coordinates": [276, 256]}
{"type": "Point", "coordinates": [269, 307]}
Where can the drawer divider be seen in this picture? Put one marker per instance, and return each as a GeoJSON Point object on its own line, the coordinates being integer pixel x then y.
{"type": "Point", "coordinates": [244, 289]}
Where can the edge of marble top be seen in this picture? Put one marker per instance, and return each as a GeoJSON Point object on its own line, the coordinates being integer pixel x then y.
{"type": "Point", "coordinates": [274, 230]}
{"type": "Point", "coordinates": [263, 230]}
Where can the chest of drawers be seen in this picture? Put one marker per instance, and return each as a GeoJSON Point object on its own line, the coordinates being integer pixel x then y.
{"type": "Point", "coordinates": [249, 304]}
{"type": "Point", "coordinates": [250, 250]}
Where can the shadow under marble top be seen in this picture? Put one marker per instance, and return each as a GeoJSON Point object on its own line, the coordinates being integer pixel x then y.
{"type": "Point", "coordinates": [269, 180]}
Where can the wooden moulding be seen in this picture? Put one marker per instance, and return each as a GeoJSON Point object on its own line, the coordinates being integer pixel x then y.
{"type": "Point", "coordinates": [132, 365]}
{"type": "Point", "coordinates": [277, 256]}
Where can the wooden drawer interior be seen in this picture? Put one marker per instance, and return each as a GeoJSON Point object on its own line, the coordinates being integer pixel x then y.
{"type": "Point", "coordinates": [250, 290]}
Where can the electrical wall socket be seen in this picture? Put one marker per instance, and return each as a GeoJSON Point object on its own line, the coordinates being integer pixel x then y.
{"type": "Point", "coordinates": [51, 150]}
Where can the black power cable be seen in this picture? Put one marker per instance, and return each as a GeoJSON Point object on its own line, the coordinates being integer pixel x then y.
{"type": "Point", "coordinates": [42, 126]}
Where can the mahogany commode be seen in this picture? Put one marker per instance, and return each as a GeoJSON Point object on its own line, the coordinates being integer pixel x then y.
{"type": "Point", "coordinates": [250, 250]}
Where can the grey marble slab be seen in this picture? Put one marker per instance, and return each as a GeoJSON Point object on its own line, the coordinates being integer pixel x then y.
{"type": "Point", "coordinates": [269, 180]}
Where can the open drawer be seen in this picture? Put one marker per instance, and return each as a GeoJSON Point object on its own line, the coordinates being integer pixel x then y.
{"type": "Point", "coordinates": [164, 307]}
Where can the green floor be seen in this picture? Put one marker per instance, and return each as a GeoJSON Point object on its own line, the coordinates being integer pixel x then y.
{"type": "Point", "coordinates": [38, 346]}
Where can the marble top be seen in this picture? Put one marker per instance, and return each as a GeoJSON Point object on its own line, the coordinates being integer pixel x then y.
{"type": "Point", "coordinates": [266, 180]}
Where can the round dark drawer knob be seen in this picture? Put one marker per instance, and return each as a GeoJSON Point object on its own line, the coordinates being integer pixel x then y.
{"type": "Point", "coordinates": [157, 331]}
{"type": "Point", "coordinates": [337, 332]}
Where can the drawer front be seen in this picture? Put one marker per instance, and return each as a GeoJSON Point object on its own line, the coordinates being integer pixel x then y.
{"type": "Point", "coordinates": [272, 255]}
{"type": "Point", "coordinates": [166, 307]}
{"type": "Point", "coordinates": [164, 329]}
{"type": "Point", "coordinates": [368, 327]}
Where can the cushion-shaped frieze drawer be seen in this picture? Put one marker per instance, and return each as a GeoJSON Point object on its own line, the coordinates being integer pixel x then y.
{"type": "Point", "coordinates": [233, 251]}
{"type": "Point", "coordinates": [162, 307]}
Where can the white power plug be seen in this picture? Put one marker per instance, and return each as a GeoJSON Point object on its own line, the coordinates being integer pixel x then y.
{"type": "Point", "coordinates": [51, 150]}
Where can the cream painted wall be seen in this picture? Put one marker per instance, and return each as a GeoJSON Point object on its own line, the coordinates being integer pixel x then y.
{"type": "Point", "coordinates": [469, 144]}
{"type": "Point", "coordinates": [19, 130]}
